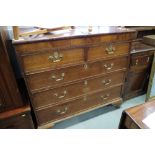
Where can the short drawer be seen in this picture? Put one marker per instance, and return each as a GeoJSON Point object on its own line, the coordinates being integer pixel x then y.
{"type": "Point", "coordinates": [141, 61]}
{"type": "Point", "coordinates": [23, 121]}
{"type": "Point", "coordinates": [108, 51]}
{"type": "Point", "coordinates": [103, 39]}
{"type": "Point", "coordinates": [69, 108]}
{"type": "Point", "coordinates": [58, 77]}
{"type": "Point", "coordinates": [53, 96]}
{"type": "Point", "coordinates": [51, 59]}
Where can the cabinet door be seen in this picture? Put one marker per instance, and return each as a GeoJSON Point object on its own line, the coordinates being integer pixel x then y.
{"type": "Point", "coordinates": [136, 84]}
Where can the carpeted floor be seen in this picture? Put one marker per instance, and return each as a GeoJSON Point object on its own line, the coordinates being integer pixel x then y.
{"type": "Point", "coordinates": [103, 118]}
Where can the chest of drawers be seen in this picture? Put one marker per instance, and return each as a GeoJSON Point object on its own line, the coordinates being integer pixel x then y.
{"type": "Point", "coordinates": [71, 74]}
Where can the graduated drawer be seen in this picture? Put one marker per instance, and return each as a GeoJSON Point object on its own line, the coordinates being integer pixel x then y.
{"type": "Point", "coordinates": [69, 108]}
{"type": "Point", "coordinates": [141, 61]}
{"type": "Point", "coordinates": [51, 59]}
{"type": "Point", "coordinates": [53, 96]}
{"type": "Point", "coordinates": [108, 51]}
{"type": "Point", "coordinates": [57, 77]}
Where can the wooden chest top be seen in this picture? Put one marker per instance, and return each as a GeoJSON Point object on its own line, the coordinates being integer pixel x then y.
{"type": "Point", "coordinates": [78, 32]}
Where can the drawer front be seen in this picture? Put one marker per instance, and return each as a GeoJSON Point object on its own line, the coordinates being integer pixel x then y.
{"type": "Point", "coordinates": [136, 83]}
{"type": "Point", "coordinates": [60, 76]}
{"type": "Point", "coordinates": [141, 61]}
{"type": "Point", "coordinates": [33, 47]}
{"type": "Point", "coordinates": [23, 121]}
{"type": "Point", "coordinates": [61, 94]}
{"type": "Point", "coordinates": [70, 108]}
{"type": "Point", "coordinates": [51, 59]}
{"type": "Point", "coordinates": [103, 39]}
{"type": "Point", "coordinates": [108, 51]}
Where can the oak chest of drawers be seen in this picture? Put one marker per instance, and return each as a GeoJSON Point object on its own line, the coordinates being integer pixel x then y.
{"type": "Point", "coordinates": [67, 75]}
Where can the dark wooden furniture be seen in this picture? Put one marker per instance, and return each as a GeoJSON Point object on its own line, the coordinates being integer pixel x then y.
{"type": "Point", "coordinates": [139, 70]}
{"type": "Point", "coordinates": [142, 30]}
{"type": "Point", "coordinates": [74, 72]}
{"type": "Point", "coordinates": [12, 106]}
{"type": "Point", "coordinates": [132, 117]}
{"type": "Point", "coordinates": [149, 39]}
{"type": "Point", "coordinates": [9, 93]}
{"type": "Point", "coordinates": [150, 95]}
{"type": "Point", "coordinates": [19, 118]}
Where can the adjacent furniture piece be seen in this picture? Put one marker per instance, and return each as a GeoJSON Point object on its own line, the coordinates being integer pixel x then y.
{"type": "Point", "coordinates": [142, 30]}
{"type": "Point", "coordinates": [9, 94]}
{"type": "Point", "coordinates": [150, 95]}
{"type": "Point", "coordinates": [149, 39]}
{"type": "Point", "coordinates": [19, 118]}
{"type": "Point", "coordinates": [139, 70]}
{"type": "Point", "coordinates": [13, 113]}
{"type": "Point", "coordinates": [132, 118]}
{"type": "Point", "coordinates": [72, 72]}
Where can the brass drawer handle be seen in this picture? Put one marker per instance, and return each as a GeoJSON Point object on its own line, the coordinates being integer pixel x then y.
{"type": "Point", "coordinates": [58, 79]}
{"type": "Point", "coordinates": [106, 82]}
{"type": "Point", "coordinates": [61, 96]}
{"type": "Point", "coordinates": [105, 97]}
{"type": "Point", "coordinates": [56, 57]}
{"type": "Point", "coordinates": [62, 111]}
{"type": "Point", "coordinates": [108, 66]}
{"type": "Point", "coordinates": [110, 49]}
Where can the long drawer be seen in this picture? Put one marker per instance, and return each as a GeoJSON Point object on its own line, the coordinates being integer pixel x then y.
{"type": "Point", "coordinates": [58, 77]}
{"type": "Point", "coordinates": [69, 108]}
{"type": "Point", "coordinates": [35, 46]}
{"type": "Point", "coordinates": [107, 51]}
{"type": "Point", "coordinates": [53, 96]}
{"type": "Point", "coordinates": [51, 59]}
